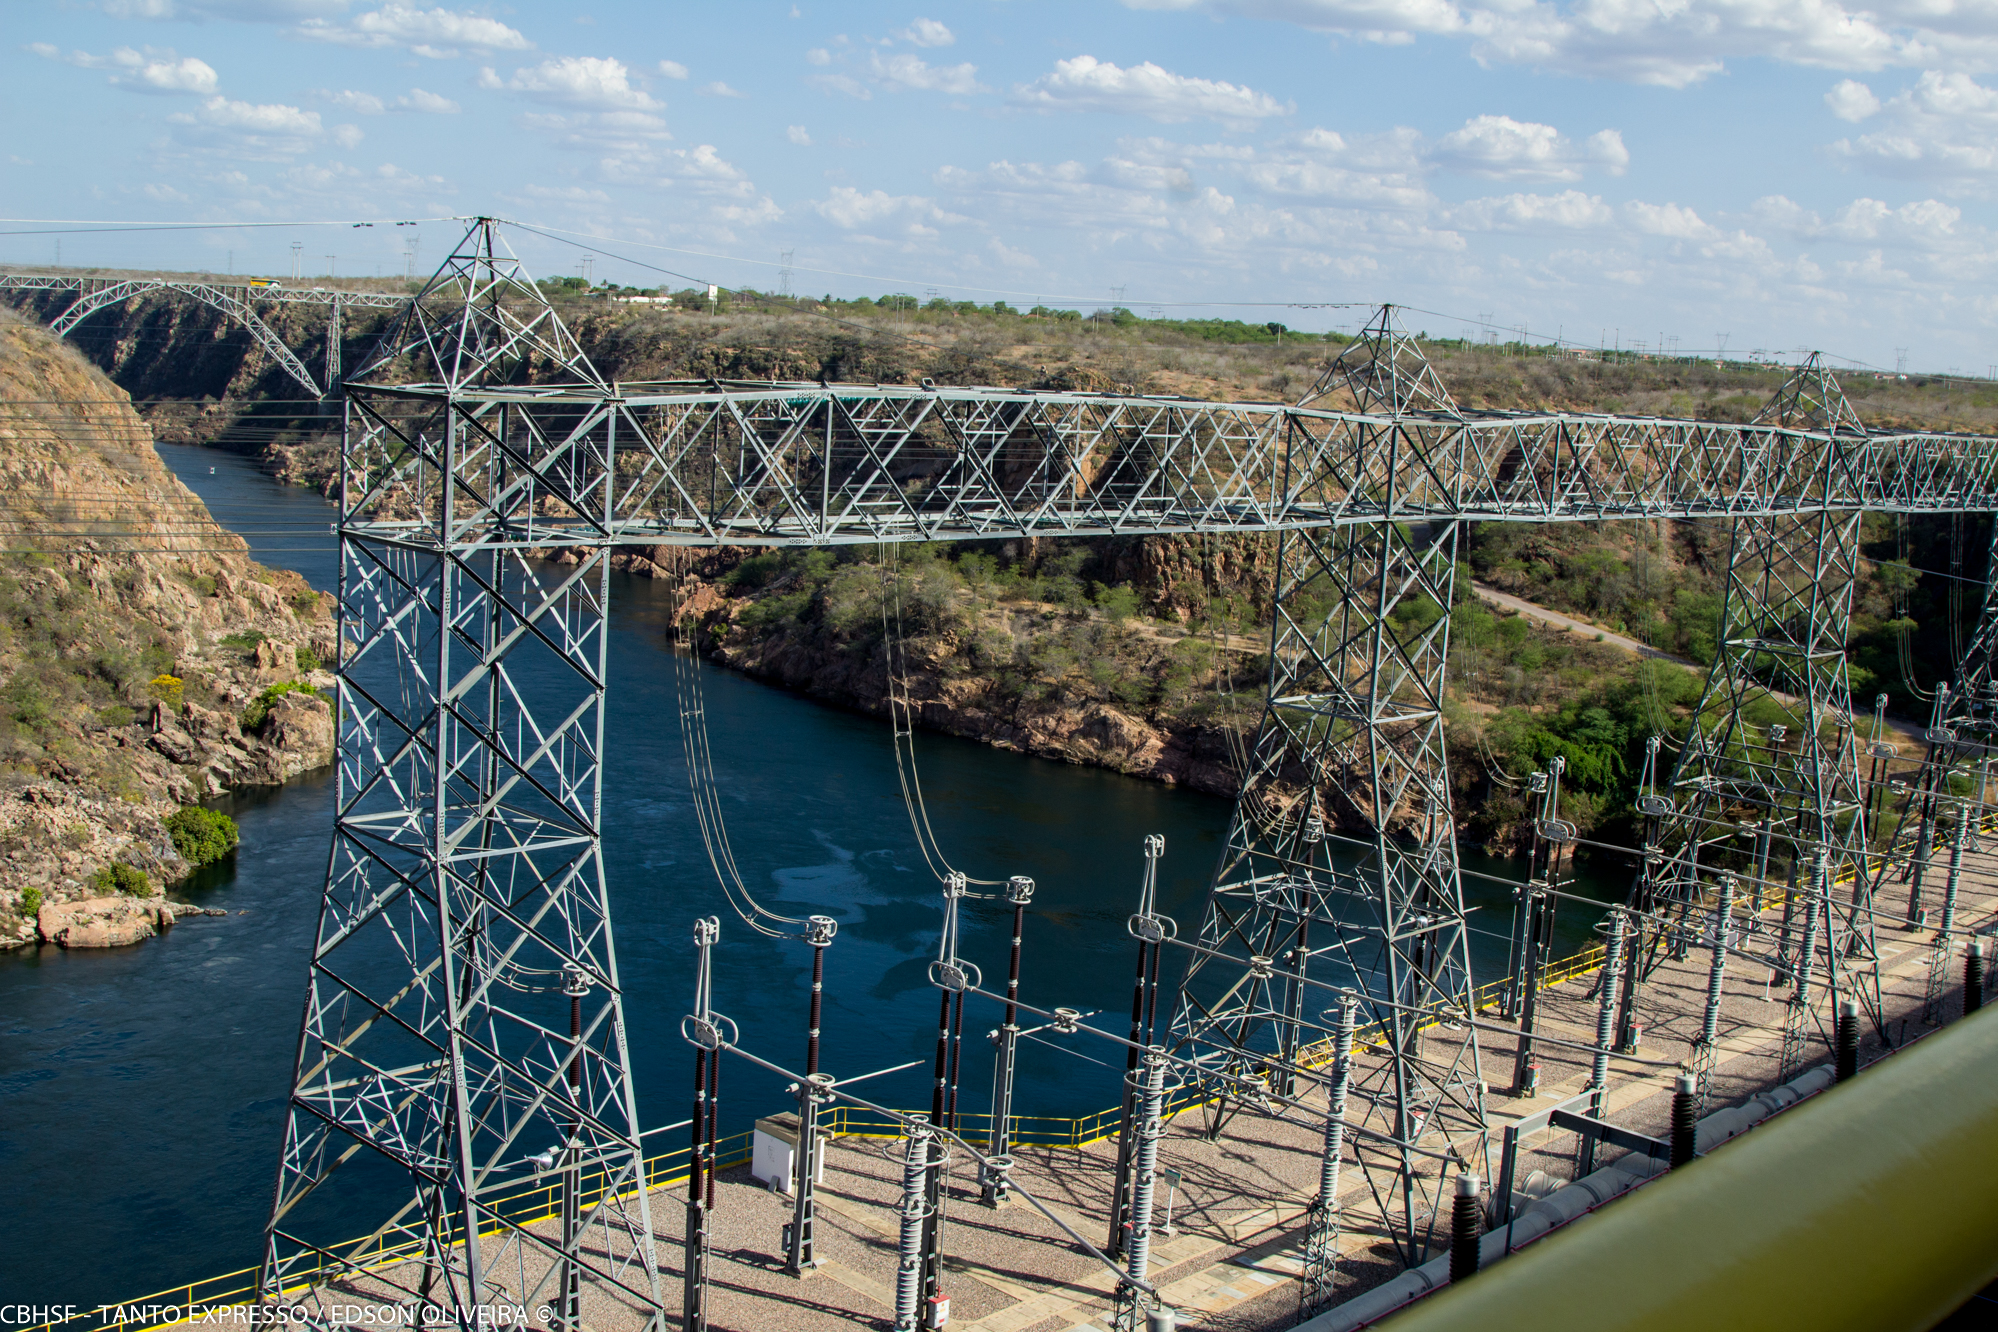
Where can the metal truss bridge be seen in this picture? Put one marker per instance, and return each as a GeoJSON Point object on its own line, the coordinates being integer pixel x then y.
{"type": "Point", "coordinates": [237, 300]}
{"type": "Point", "coordinates": [464, 1004]}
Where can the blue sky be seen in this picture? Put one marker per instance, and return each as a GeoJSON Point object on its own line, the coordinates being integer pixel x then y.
{"type": "Point", "coordinates": [1791, 174]}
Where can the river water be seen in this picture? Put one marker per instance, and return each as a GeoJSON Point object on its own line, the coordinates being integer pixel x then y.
{"type": "Point", "coordinates": [144, 1088]}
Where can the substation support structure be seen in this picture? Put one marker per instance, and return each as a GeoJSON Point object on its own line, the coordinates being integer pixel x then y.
{"type": "Point", "coordinates": [464, 1020]}
{"type": "Point", "coordinates": [1746, 783]}
{"type": "Point", "coordinates": [1341, 860]}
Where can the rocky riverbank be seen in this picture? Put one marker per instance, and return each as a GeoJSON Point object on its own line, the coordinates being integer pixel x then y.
{"type": "Point", "coordinates": [146, 662]}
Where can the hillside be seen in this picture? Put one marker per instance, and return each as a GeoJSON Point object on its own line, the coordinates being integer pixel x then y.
{"type": "Point", "coordinates": [146, 662]}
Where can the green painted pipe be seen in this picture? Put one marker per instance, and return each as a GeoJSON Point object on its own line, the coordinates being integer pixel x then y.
{"type": "Point", "coordinates": [1871, 1207]}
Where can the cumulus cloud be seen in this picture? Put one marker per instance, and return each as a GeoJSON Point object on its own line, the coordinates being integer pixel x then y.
{"type": "Point", "coordinates": [877, 211]}
{"type": "Point", "coordinates": [1088, 84]}
{"type": "Point", "coordinates": [720, 89]}
{"type": "Point", "coordinates": [435, 33]}
{"type": "Point", "coordinates": [252, 130]}
{"type": "Point", "coordinates": [367, 104]}
{"type": "Point", "coordinates": [158, 71]}
{"type": "Point", "coordinates": [186, 75]}
{"type": "Point", "coordinates": [1852, 100]}
{"type": "Point", "coordinates": [1669, 220]}
{"type": "Point", "coordinates": [1501, 148]}
{"type": "Point", "coordinates": [928, 32]}
{"type": "Point", "coordinates": [600, 82]}
{"type": "Point", "coordinates": [1944, 127]}
{"type": "Point", "coordinates": [1569, 210]}
{"type": "Point", "coordinates": [797, 134]}
{"type": "Point", "coordinates": [905, 71]}
{"type": "Point", "coordinates": [673, 69]}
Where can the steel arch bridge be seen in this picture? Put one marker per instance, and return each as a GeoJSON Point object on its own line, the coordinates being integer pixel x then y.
{"type": "Point", "coordinates": [463, 997]}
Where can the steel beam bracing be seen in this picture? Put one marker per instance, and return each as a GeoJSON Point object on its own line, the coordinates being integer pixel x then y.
{"type": "Point", "coordinates": [465, 905]}
{"type": "Point", "coordinates": [464, 1028]}
{"type": "Point", "coordinates": [1341, 861]}
{"type": "Point", "coordinates": [1773, 749]}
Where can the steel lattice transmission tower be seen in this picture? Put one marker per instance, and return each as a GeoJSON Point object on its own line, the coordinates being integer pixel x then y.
{"type": "Point", "coordinates": [463, 1014]}
{"type": "Point", "coordinates": [1341, 864]}
{"type": "Point", "coordinates": [1771, 761]}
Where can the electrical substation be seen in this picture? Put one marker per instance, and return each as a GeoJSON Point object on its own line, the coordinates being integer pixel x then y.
{"type": "Point", "coordinates": [1327, 1116]}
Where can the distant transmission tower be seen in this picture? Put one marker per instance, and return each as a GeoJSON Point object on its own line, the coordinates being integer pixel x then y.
{"type": "Point", "coordinates": [784, 275]}
{"type": "Point", "coordinates": [297, 260]}
{"type": "Point", "coordinates": [1900, 360]}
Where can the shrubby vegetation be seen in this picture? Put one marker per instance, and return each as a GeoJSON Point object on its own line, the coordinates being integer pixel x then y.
{"type": "Point", "coordinates": [122, 880]}
{"type": "Point", "coordinates": [202, 836]}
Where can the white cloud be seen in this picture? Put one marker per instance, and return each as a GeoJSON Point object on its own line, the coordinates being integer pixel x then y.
{"type": "Point", "coordinates": [186, 75]}
{"type": "Point", "coordinates": [796, 134]}
{"type": "Point", "coordinates": [1669, 220]}
{"type": "Point", "coordinates": [1088, 84]}
{"type": "Point", "coordinates": [427, 103]}
{"type": "Point", "coordinates": [818, 55]}
{"type": "Point", "coordinates": [347, 136]}
{"type": "Point", "coordinates": [877, 211]}
{"type": "Point", "coordinates": [255, 118]}
{"type": "Point", "coordinates": [251, 131]}
{"type": "Point", "coordinates": [1569, 210]}
{"type": "Point", "coordinates": [1928, 223]}
{"type": "Point", "coordinates": [1672, 44]}
{"type": "Point", "coordinates": [1852, 100]}
{"type": "Point", "coordinates": [928, 32]}
{"type": "Point", "coordinates": [591, 81]}
{"type": "Point", "coordinates": [907, 71]}
{"type": "Point", "coordinates": [844, 84]}
{"type": "Point", "coordinates": [433, 33]}
{"type": "Point", "coordinates": [366, 104]}
{"type": "Point", "coordinates": [156, 70]}
{"type": "Point", "coordinates": [1502, 148]}
{"type": "Point", "coordinates": [247, 11]}
{"type": "Point", "coordinates": [673, 69]}
{"type": "Point", "coordinates": [720, 89]}
{"type": "Point", "coordinates": [1944, 127]}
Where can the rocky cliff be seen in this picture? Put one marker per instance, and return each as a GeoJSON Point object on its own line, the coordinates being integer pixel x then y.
{"type": "Point", "coordinates": [146, 662]}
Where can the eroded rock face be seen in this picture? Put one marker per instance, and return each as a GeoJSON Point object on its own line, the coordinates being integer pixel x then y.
{"type": "Point", "coordinates": [185, 631]}
{"type": "Point", "coordinates": [298, 734]}
{"type": "Point", "coordinates": [99, 922]}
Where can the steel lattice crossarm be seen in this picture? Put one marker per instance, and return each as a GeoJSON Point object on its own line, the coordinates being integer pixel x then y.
{"type": "Point", "coordinates": [829, 464]}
